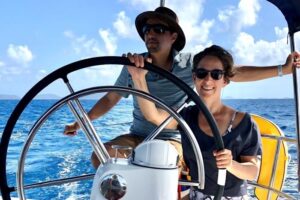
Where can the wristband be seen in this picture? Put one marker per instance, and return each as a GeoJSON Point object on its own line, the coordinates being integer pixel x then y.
{"type": "Point", "coordinates": [280, 73]}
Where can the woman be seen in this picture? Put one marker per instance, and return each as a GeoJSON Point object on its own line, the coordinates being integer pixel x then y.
{"type": "Point", "coordinates": [212, 69]}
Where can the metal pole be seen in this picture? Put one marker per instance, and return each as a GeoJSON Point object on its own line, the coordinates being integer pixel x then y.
{"type": "Point", "coordinates": [296, 97]}
{"type": "Point", "coordinates": [162, 3]}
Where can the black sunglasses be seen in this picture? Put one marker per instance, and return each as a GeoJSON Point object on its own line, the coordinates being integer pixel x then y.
{"type": "Point", "coordinates": [157, 28]}
{"type": "Point", "coordinates": [215, 74]}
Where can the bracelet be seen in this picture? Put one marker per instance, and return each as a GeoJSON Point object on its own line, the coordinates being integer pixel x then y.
{"type": "Point", "coordinates": [280, 73]}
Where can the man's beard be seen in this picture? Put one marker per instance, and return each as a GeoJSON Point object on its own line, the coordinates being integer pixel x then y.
{"type": "Point", "coordinates": [152, 48]}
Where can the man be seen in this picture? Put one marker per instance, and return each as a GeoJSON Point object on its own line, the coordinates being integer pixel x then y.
{"type": "Point", "coordinates": [164, 40]}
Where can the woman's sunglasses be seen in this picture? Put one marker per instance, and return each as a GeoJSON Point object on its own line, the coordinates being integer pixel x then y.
{"type": "Point", "coordinates": [157, 28]}
{"type": "Point", "coordinates": [215, 74]}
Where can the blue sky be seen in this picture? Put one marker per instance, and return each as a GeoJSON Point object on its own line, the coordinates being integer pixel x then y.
{"type": "Point", "coordinates": [38, 37]}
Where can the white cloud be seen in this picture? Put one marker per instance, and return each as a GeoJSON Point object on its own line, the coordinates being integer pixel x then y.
{"type": "Point", "coordinates": [69, 34]}
{"type": "Point", "coordinates": [244, 15]}
{"type": "Point", "coordinates": [107, 73]}
{"type": "Point", "coordinates": [9, 70]}
{"type": "Point", "coordinates": [261, 52]}
{"type": "Point", "coordinates": [248, 11]}
{"type": "Point", "coordinates": [20, 54]}
{"type": "Point", "coordinates": [83, 46]}
{"type": "Point", "coordinates": [123, 26]}
{"type": "Point", "coordinates": [41, 74]}
{"type": "Point", "coordinates": [196, 29]}
{"type": "Point", "coordinates": [200, 37]}
{"type": "Point", "coordinates": [281, 33]}
{"type": "Point", "coordinates": [17, 64]}
{"type": "Point", "coordinates": [13, 70]}
{"type": "Point", "coordinates": [86, 47]}
{"type": "Point", "coordinates": [226, 14]}
{"type": "Point", "coordinates": [110, 41]}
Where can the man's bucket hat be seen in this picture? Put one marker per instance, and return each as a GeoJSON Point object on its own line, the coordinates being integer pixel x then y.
{"type": "Point", "coordinates": [166, 15]}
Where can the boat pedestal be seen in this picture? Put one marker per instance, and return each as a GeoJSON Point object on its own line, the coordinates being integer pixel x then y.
{"type": "Point", "coordinates": [151, 173]}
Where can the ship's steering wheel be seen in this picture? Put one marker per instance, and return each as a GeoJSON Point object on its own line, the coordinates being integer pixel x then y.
{"type": "Point", "coordinates": [62, 73]}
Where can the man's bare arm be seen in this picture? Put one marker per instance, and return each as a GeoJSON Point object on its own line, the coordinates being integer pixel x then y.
{"type": "Point", "coordinates": [100, 108]}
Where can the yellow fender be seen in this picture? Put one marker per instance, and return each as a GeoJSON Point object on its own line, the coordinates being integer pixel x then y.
{"type": "Point", "coordinates": [269, 146]}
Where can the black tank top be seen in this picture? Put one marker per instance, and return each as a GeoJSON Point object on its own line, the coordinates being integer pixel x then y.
{"type": "Point", "coordinates": [243, 140]}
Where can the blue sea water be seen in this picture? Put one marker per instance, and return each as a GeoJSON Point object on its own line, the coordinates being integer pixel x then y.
{"type": "Point", "coordinates": [54, 156]}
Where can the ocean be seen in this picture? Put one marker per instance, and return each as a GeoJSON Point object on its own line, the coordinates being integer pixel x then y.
{"type": "Point", "coordinates": [53, 155]}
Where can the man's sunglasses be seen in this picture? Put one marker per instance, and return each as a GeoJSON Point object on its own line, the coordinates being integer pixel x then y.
{"type": "Point", "coordinates": [157, 28]}
{"type": "Point", "coordinates": [215, 74]}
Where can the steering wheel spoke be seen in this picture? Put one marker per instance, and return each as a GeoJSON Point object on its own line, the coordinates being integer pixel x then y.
{"type": "Point", "coordinates": [164, 124]}
{"type": "Point", "coordinates": [89, 130]}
